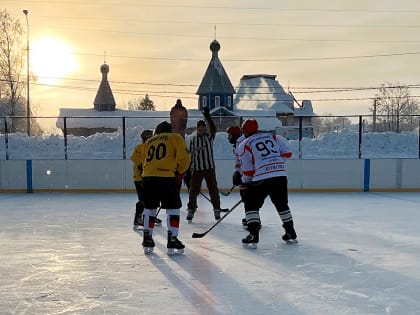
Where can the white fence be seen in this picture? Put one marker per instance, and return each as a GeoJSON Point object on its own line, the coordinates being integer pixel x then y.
{"type": "Point", "coordinates": [303, 175]}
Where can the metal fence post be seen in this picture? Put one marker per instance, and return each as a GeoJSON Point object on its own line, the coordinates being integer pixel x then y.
{"type": "Point", "coordinates": [300, 136]}
{"type": "Point", "coordinates": [124, 144]}
{"type": "Point", "coordinates": [360, 135]}
{"type": "Point", "coordinates": [418, 117]}
{"type": "Point", "coordinates": [6, 138]}
{"type": "Point", "coordinates": [65, 137]}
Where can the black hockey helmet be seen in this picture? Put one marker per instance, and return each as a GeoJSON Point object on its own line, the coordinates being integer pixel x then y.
{"type": "Point", "coordinates": [164, 126]}
{"type": "Point", "coordinates": [146, 134]}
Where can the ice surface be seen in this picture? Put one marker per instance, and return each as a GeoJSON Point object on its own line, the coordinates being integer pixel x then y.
{"type": "Point", "coordinates": [77, 254]}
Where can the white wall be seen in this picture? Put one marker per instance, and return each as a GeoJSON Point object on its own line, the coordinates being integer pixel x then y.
{"type": "Point", "coordinates": [303, 175]}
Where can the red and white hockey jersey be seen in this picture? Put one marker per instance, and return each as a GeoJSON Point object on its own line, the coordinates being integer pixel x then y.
{"type": "Point", "coordinates": [261, 156]}
{"type": "Point", "coordinates": [237, 161]}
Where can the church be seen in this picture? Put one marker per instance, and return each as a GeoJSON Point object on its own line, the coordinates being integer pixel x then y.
{"type": "Point", "coordinates": [258, 96]}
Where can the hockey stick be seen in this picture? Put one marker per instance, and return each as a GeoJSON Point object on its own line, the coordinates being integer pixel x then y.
{"type": "Point", "coordinates": [228, 192]}
{"type": "Point", "coordinates": [156, 216]}
{"type": "Point", "coordinates": [202, 194]}
{"type": "Point", "coordinates": [200, 235]}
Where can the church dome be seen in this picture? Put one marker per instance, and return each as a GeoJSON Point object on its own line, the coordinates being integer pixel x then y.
{"type": "Point", "coordinates": [104, 68]}
{"type": "Point", "coordinates": [214, 46]}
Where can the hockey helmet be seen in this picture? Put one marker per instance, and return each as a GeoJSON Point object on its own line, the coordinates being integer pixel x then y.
{"type": "Point", "coordinates": [164, 126]}
{"type": "Point", "coordinates": [146, 134]}
{"type": "Point", "coordinates": [249, 127]}
{"type": "Point", "coordinates": [234, 132]}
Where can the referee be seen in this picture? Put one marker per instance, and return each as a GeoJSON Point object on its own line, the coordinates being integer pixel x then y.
{"type": "Point", "coordinates": [203, 166]}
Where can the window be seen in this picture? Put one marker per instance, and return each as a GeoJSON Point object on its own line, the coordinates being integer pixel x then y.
{"type": "Point", "coordinates": [229, 102]}
{"type": "Point", "coordinates": [204, 101]}
{"type": "Point", "coordinates": [217, 101]}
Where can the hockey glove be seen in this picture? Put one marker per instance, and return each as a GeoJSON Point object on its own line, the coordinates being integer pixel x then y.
{"type": "Point", "coordinates": [206, 111]}
{"type": "Point", "coordinates": [237, 178]}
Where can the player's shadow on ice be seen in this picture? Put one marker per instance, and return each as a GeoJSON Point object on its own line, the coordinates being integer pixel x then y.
{"type": "Point", "coordinates": [323, 272]}
{"type": "Point", "coordinates": [210, 289]}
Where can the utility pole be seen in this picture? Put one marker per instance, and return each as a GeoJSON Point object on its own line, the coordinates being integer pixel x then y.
{"type": "Point", "coordinates": [28, 106]}
{"type": "Point", "coordinates": [374, 114]}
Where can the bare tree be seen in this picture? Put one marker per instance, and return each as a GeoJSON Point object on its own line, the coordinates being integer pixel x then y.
{"type": "Point", "coordinates": [329, 123]}
{"type": "Point", "coordinates": [141, 104]}
{"type": "Point", "coordinates": [392, 108]}
{"type": "Point", "coordinates": [11, 65]}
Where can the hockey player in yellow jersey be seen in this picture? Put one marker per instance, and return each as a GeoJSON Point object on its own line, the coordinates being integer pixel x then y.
{"type": "Point", "coordinates": [165, 160]}
{"type": "Point", "coordinates": [137, 159]}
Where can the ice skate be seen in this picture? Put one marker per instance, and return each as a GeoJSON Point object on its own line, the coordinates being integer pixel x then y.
{"type": "Point", "coordinates": [148, 243]}
{"type": "Point", "coordinates": [290, 235]}
{"type": "Point", "coordinates": [224, 209]}
{"type": "Point", "coordinates": [251, 240]}
{"type": "Point", "coordinates": [190, 215]}
{"type": "Point", "coordinates": [217, 214]}
{"type": "Point", "coordinates": [138, 223]}
{"type": "Point", "coordinates": [174, 245]}
{"type": "Point", "coordinates": [289, 238]}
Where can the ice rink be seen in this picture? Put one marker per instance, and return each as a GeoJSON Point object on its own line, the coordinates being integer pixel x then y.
{"type": "Point", "coordinates": [63, 253]}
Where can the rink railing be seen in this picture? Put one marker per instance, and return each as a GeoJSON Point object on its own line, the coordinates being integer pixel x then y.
{"type": "Point", "coordinates": [334, 175]}
{"type": "Point", "coordinates": [315, 137]}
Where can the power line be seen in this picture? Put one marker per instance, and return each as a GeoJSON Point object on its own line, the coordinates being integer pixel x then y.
{"type": "Point", "coordinates": [201, 22]}
{"type": "Point", "coordinates": [296, 89]}
{"type": "Point", "coordinates": [185, 94]}
{"type": "Point", "coordinates": [254, 60]}
{"type": "Point", "coordinates": [200, 7]}
{"type": "Point", "coordinates": [334, 40]}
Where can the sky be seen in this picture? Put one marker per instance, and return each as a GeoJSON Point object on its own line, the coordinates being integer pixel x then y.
{"type": "Point", "coordinates": [333, 53]}
{"type": "Point", "coordinates": [69, 253]}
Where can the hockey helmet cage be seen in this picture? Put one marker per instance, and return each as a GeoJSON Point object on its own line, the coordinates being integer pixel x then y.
{"type": "Point", "coordinates": [164, 126]}
{"type": "Point", "coordinates": [249, 127]}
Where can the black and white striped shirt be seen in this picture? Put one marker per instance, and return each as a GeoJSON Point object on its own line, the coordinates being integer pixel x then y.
{"type": "Point", "coordinates": [201, 148]}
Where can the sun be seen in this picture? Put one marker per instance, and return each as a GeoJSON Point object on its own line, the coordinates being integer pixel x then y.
{"type": "Point", "coordinates": [51, 59]}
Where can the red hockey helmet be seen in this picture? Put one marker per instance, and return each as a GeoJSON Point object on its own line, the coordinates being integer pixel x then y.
{"type": "Point", "coordinates": [234, 131]}
{"type": "Point", "coordinates": [249, 127]}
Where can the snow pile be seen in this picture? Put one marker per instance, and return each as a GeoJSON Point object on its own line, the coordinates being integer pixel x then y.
{"type": "Point", "coordinates": [335, 145]}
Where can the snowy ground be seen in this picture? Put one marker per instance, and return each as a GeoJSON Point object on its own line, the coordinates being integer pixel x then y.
{"type": "Point", "coordinates": [68, 253]}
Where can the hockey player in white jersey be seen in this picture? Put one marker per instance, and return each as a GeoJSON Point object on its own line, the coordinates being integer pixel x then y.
{"type": "Point", "coordinates": [262, 157]}
{"type": "Point", "coordinates": [235, 137]}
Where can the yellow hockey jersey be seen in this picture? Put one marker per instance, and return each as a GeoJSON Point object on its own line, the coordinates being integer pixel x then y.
{"type": "Point", "coordinates": [137, 158]}
{"type": "Point", "coordinates": [165, 154]}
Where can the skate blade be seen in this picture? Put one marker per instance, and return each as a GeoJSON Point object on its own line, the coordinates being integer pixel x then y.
{"type": "Point", "coordinates": [250, 245]}
{"type": "Point", "coordinates": [295, 241]}
{"type": "Point", "coordinates": [138, 228]}
{"type": "Point", "coordinates": [174, 251]}
{"type": "Point", "coordinates": [148, 250]}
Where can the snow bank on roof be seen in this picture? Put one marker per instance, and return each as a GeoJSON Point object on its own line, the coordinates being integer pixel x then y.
{"type": "Point", "coordinates": [262, 91]}
{"type": "Point", "coordinates": [305, 110]}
